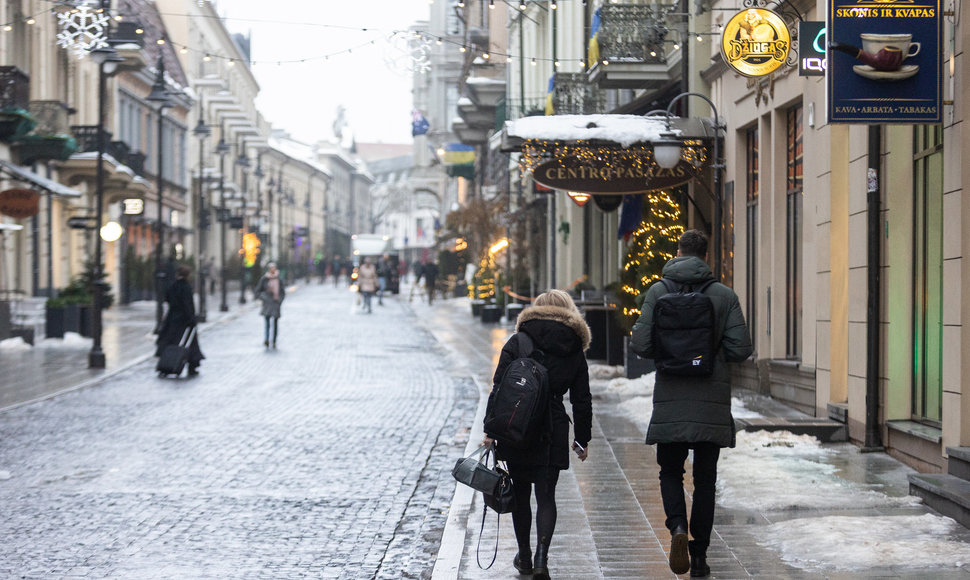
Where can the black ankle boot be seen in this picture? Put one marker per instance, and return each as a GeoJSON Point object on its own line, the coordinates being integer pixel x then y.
{"type": "Point", "coordinates": [698, 561]}
{"type": "Point", "coordinates": [540, 570]}
{"type": "Point", "coordinates": [523, 561]}
{"type": "Point", "coordinates": [679, 560]}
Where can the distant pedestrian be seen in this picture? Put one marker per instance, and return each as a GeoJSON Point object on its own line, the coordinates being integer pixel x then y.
{"type": "Point", "coordinates": [430, 273]}
{"type": "Point", "coordinates": [179, 318]}
{"type": "Point", "coordinates": [335, 267]}
{"type": "Point", "coordinates": [560, 337]}
{"type": "Point", "coordinates": [385, 270]}
{"type": "Point", "coordinates": [692, 412]}
{"type": "Point", "coordinates": [367, 282]}
{"type": "Point", "coordinates": [271, 290]}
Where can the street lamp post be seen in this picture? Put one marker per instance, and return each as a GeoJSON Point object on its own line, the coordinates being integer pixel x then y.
{"type": "Point", "coordinates": [221, 150]}
{"type": "Point", "coordinates": [309, 236]}
{"type": "Point", "coordinates": [667, 153]}
{"type": "Point", "coordinates": [258, 174]}
{"type": "Point", "coordinates": [107, 59]}
{"type": "Point", "coordinates": [159, 96]}
{"type": "Point", "coordinates": [243, 162]}
{"type": "Point", "coordinates": [202, 131]}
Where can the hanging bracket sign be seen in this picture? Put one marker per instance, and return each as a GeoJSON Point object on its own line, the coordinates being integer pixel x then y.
{"type": "Point", "coordinates": [618, 178]}
{"type": "Point", "coordinates": [19, 203]}
{"type": "Point", "coordinates": [756, 42]}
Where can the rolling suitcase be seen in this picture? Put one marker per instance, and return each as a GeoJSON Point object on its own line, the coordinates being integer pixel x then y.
{"type": "Point", "coordinates": [175, 356]}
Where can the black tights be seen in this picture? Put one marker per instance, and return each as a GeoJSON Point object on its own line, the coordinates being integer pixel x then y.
{"type": "Point", "coordinates": [545, 491]}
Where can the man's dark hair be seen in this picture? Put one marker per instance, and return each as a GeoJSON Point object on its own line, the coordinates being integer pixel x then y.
{"type": "Point", "coordinates": [183, 272]}
{"type": "Point", "coordinates": [693, 243]}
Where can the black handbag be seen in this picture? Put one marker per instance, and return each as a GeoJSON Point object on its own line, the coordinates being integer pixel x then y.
{"type": "Point", "coordinates": [502, 500]}
{"type": "Point", "coordinates": [475, 473]}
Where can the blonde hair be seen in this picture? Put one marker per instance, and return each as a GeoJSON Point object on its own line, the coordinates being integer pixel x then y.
{"type": "Point", "coordinates": [556, 297]}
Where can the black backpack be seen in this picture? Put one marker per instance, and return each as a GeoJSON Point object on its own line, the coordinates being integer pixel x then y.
{"type": "Point", "coordinates": [519, 412]}
{"type": "Point", "coordinates": [684, 341]}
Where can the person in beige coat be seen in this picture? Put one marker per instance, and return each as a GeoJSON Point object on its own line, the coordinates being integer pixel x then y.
{"type": "Point", "coordinates": [367, 282]}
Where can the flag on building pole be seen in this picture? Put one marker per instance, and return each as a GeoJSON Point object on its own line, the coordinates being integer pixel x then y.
{"type": "Point", "coordinates": [419, 125]}
{"type": "Point", "coordinates": [630, 216]}
{"type": "Point", "coordinates": [550, 107]}
{"type": "Point", "coordinates": [593, 51]}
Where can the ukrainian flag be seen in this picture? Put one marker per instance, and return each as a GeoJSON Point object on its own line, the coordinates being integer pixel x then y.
{"type": "Point", "coordinates": [593, 52]}
{"type": "Point", "coordinates": [458, 154]}
{"type": "Point", "coordinates": [550, 108]}
{"type": "Point", "coordinates": [459, 160]}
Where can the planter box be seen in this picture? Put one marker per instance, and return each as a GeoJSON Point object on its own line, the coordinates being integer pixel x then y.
{"type": "Point", "coordinates": [72, 318]}
{"type": "Point", "coordinates": [54, 321]}
{"type": "Point", "coordinates": [477, 307]}
{"type": "Point", "coordinates": [512, 311]}
{"type": "Point", "coordinates": [86, 321]}
{"type": "Point", "coordinates": [491, 313]}
{"type": "Point", "coordinates": [45, 148]}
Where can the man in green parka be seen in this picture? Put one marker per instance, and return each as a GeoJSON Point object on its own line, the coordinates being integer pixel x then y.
{"type": "Point", "coordinates": [691, 412]}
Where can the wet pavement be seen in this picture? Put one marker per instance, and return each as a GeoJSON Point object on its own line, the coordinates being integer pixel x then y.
{"type": "Point", "coordinates": [330, 457]}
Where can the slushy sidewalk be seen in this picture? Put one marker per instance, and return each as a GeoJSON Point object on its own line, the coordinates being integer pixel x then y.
{"type": "Point", "coordinates": [54, 366]}
{"type": "Point", "coordinates": [788, 507]}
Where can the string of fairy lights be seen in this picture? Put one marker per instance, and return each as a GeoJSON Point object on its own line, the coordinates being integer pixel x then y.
{"type": "Point", "coordinates": [654, 243]}
{"type": "Point", "coordinates": [537, 151]}
{"type": "Point", "coordinates": [77, 7]}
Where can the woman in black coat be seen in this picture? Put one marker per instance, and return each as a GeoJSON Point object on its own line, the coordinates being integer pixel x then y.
{"type": "Point", "coordinates": [561, 336]}
{"type": "Point", "coordinates": [180, 316]}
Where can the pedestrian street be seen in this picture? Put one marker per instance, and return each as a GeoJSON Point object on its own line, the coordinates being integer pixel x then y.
{"type": "Point", "coordinates": [321, 458]}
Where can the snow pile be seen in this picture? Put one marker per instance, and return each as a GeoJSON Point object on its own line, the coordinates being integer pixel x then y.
{"type": "Point", "coordinates": [70, 340]}
{"type": "Point", "coordinates": [604, 372]}
{"type": "Point", "coordinates": [15, 343]}
{"type": "Point", "coordinates": [623, 129]}
{"type": "Point", "coordinates": [862, 543]}
{"type": "Point", "coordinates": [770, 471]}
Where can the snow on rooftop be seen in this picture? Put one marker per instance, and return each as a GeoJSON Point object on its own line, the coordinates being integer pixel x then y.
{"type": "Point", "coordinates": [623, 129]}
{"type": "Point", "coordinates": [483, 81]}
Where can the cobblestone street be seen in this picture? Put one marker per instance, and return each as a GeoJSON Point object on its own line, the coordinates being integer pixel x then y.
{"type": "Point", "coordinates": [318, 459]}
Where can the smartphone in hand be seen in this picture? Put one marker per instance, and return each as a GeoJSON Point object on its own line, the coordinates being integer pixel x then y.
{"type": "Point", "coordinates": [579, 449]}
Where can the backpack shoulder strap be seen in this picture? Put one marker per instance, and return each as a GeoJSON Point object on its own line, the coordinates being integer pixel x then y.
{"type": "Point", "coordinates": [705, 285]}
{"type": "Point", "coordinates": [525, 344]}
{"type": "Point", "coordinates": [670, 285]}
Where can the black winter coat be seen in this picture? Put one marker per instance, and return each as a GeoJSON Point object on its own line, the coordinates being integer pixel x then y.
{"type": "Point", "coordinates": [180, 315]}
{"type": "Point", "coordinates": [695, 409]}
{"type": "Point", "coordinates": [562, 336]}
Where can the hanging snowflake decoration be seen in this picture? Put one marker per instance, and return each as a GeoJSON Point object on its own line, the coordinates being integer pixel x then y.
{"type": "Point", "coordinates": [82, 30]}
{"type": "Point", "coordinates": [408, 52]}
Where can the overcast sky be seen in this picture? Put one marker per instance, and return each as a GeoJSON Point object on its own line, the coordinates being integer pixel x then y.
{"type": "Point", "coordinates": [302, 97]}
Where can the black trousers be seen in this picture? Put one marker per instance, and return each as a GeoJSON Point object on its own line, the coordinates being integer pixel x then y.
{"type": "Point", "coordinates": [671, 457]}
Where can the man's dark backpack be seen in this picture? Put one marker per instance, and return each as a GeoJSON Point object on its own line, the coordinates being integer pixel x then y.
{"type": "Point", "coordinates": [519, 413]}
{"type": "Point", "coordinates": [684, 336]}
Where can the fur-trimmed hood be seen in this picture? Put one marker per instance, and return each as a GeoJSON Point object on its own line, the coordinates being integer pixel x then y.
{"type": "Point", "coordinates": [541, 322]}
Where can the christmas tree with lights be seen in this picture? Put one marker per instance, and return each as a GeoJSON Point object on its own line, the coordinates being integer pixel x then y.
{"type": "Point", "coordinates": [652, 244]}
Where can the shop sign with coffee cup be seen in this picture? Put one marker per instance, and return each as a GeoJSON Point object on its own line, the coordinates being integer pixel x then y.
{"type": "Point", "coordinates": [885, 62]}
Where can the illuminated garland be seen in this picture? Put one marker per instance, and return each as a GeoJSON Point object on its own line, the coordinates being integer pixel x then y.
{"type": "Point", "coordinates": [653, 244]}
{"type": "Point", "coordinates": [601, 155]}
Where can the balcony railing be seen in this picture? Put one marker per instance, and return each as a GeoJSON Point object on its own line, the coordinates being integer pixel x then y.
{"type": "Point", "coordinates": [574, 95]}
{"type": "Point", "coordinates": [632, 33]}
{"type": "Point", "coordinates": [14, 88]}
{"type": "Point", "coordinates": [87, 141]}
{"type": "Point", "coordinates": [87, 137]}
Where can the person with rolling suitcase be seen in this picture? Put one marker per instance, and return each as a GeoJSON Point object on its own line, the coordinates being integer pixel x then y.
{"type": "Point", "coordinates": [176, 326]}
{"type": "Point", "coordinates": [174, 357]}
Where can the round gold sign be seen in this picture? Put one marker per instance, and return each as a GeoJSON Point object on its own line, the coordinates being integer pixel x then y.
{"type": "Point", "coordinates": [755, 42]}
